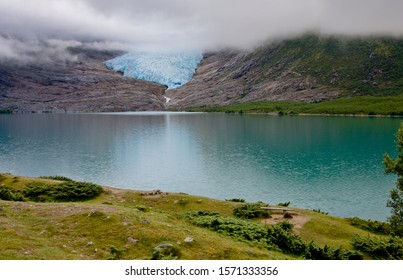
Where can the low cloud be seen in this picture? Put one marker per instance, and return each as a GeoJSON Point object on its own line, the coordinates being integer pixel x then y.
{"type": "Point", "coordinates": [184, 24]}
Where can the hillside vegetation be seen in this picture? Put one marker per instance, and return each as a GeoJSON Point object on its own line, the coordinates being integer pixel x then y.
{"type": "Point", "coordinates": [307, 69]}
{"type": "Point", "coordinates": [94, 222]}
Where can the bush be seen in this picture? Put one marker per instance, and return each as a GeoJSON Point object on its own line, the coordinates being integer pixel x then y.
{"type": "Point", "coordinates": [167, 253]}
{"type": "Point", "coordinates": [390, 248]}
{"type": "Point", "coordinates": [56, 177]}
{"type": "Point", "coordinates": [285, 204]}
{"type": "Point", "coordinates": [251, 210]}
{"type": "Point", "coordinates": [319, 211]}
{"type": "Point", "coordinates": [236, 200]}
{"type": "Point", "coordinates": [37, 191]}
{"type": "Point", "coordinates": [116, 254]}
{"type": "Point", "coordinates": [287, 215]}
{"type": "Point", "coordinates": [66, 191]}
{"type": "Point", "coordinates": [286, 226]}
{"type": "Point", "coordinates": [369, 225]}
{"type": "Point", "coordinates": [76, 191]}
{"type": "Point", "coordinates": [183, 201]}
{"type": "Point", "coordinates": [279, 237]}
{"type": "Point", "coordinates": [8, 194]}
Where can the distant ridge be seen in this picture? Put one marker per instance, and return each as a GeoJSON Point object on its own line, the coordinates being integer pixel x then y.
{"type": "Point", "coordinates": [310, 68]}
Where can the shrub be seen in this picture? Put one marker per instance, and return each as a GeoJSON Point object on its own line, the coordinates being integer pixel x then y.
{"type": "Point", "coordinates": [66, 191]}
{"type": "Point", "coordinates": [286, 226]}
{"type": "Point", "coordinates": [8, 194]}
{"type": "Point", "coordinates": [167, 253]}
{"type": "Point", "coordinates": [390, 248]}
{"type": "Point", "coordinates": [116, 254]}
{"type": "Point", "coordinates": [285, 204]}
{"type": "Point", "coordinates": [37, 191]}
{"type": "Point", "coordinates": [287, 215]}
{"type": "Point", "coordinates": [319, 211]}
{"type": "Point", "coordinates": [75, 191]}
{"type": "Point", "coordinates": [279, 237]}
{"type": "Point", "coordinates": [183, 201]}
{"type": "Point", "coordinates": [369, 225]}
{"type": "Point", "coordinates": [251, 210]}
{"type": "Point", "coordinates": [56, 177]}
{"type": "Point", "coordinates": [236, 200]}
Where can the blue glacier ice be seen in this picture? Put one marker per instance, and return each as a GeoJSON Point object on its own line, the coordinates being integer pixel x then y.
{"type": "Point", "coordinates": [172, 70]}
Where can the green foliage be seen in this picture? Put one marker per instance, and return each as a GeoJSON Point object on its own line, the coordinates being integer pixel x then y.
{"type": "Point", "coordinates": [66, 191]}
{"type": "Point", "coordinates": [167, 253]}
{"type": "Point", "coordinates": [236, 200]}
{"type": "Point", "coordinates": [57, 177]}
{"type": "Point", "coordinates": [374, 105]}
{"type": "Point", "coordinates": [390, 248]}
{"type": "Point", "coordinates": [8, 194]}
{"type": "Point", "coordinates": [287, 215]}
{"type": "Point", "coordinates": [116, 254]}
{"type": "Point", "coordinates": [141, 207]}
{"type": "Point", "coordinates": [279, 237]}
{"type": "Point", "coordinates": [369, 225]}
{"type": "Point", "coordinates": [183, 201]}
{"type": "Point", "coordinates": [395, 202]}
{"type": "Point", "coordinates": [319, 211]}
{"type": "Point", "coordinates": [251, 210]}
{"type": "Point", "coordinates": [286, 225]}
{"type": "Point", "coordinates": [285, 204]}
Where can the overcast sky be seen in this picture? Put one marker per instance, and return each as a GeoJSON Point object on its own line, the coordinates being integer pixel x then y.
{"type": "Point", "coordinates": [188, 24]}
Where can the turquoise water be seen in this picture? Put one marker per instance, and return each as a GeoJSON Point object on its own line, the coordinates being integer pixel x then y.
{"type": "Point", "coordinates": [328, 163]}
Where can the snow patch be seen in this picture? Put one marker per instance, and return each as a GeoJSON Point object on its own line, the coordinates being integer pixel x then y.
{"type": "Point", "coordinates": [172, 70]}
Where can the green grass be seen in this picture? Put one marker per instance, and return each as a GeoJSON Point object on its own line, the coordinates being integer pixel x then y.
{"type": "Point", "coordinates": [100, 228]}
{"type": "Point", "coordinates": [359, 66]}
{"type": "Point", "coordinates": [364, 105]}
{"type": "Point", "coordinates": [332, 231]}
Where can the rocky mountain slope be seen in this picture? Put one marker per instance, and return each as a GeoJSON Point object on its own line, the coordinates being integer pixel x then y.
{"type": "Point", "coordinates": [84, 85]}
{"type": "Point", "coordinates": [308, 68]}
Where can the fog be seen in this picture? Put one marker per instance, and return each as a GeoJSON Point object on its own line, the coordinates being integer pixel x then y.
{"type": "Point", "coordinates": [158, 25]}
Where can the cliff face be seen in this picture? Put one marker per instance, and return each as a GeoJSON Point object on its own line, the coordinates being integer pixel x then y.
{"type": "Point", "coordinates": [229, 77]}
{"type": "Point", "coordinates": [84, 85]}
{"type": "Point", "coordinates": [310, 69]}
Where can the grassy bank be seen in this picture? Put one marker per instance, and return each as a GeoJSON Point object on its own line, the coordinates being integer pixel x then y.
{"type": "Point", "coordinates": [364, 105]}
{"type": "Point", "coordinates": [128, 224]}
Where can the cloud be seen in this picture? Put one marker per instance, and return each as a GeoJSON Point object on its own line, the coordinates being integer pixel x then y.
{"type": "Point", "coordinates": [187, 24]}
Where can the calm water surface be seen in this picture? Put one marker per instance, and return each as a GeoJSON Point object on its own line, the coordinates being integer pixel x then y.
{"type": "Point", "coordinates": [328, 163]}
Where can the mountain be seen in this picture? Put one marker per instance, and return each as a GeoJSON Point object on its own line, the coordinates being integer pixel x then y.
{"type": "Point", "coordinates": [309, 68]}
{"type": "Point", "coordinates": [83, 85]}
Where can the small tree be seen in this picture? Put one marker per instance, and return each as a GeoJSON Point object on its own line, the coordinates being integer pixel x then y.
{"type": "Point", "coordinates": [395, 166]}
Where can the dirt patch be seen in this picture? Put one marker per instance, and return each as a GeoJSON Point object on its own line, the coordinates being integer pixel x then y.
{"type": "Point", "coordinates": [298, 220]}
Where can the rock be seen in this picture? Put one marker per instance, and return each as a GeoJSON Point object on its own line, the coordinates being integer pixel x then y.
{"type": "Point", "coordinates": [132, 240]}
{"type": "Point", "coordinates": [146, 221]}
{"type": "Point", "coordinates": [189, 239]}
{"type": "Point", "coordinates": [163, 246]}
{"type": "Point", "coordinates": [75, 87]}
{"type": "Point", "coordinates": [90, 243]}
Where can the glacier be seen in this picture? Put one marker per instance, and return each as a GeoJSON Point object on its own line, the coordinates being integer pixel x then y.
{"type": "Point", "coordinates": [170, 69]}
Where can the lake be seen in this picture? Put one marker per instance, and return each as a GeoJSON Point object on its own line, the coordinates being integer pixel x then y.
{"type": "Point", "coordinates": [316, 162]}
